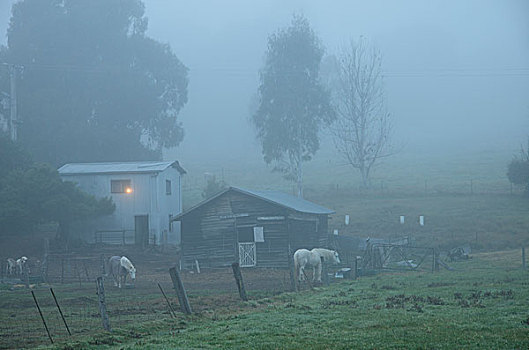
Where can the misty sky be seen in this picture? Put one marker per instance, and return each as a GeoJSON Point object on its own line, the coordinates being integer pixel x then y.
{"type": "Point", "coordinates": [457, 72]}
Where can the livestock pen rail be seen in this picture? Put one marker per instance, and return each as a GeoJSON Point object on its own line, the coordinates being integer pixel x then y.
{"type": "Point", "coordinates": [118, 237]}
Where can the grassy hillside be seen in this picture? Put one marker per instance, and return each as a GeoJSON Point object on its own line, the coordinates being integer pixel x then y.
{"type": "Point", "coordinates": [483, 221]}
{"type": "Point", "coordinates": [466, 199]}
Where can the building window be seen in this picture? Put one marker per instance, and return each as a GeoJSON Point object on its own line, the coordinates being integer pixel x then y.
{"type": "Point", "coordinates": [170, 222]}
{"type": "Point", "coordinates": [167, 186]}
{"type": "Point", "coordinates": [120, 186]}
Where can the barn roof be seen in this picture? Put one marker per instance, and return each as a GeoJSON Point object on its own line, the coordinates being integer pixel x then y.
{"type": "Point", "coordinates": [275, 197]}
{"type": "Point", "coordinates": [118, 168]}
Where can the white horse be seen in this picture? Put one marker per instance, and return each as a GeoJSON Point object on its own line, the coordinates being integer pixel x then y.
{"type": "Point", "coordinates": [21, 265]}
{"type": "Point", "coordinates": [10, 267]}
{"type": "Point", "coordinates": [304, 257]}
{"type": "Point", "coordinates": [120, 267]}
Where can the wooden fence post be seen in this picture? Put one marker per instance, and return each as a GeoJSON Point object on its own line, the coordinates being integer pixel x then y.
{"type": "Point", "coordinates": [86, 272]}
{"type": "Point", "coordinates": [78, 273]}
{"type": "Point", "coordinates": [102, 304]}
{"type": "Point", "coordinates": [102, 262]}
{"type": "Point", "coordinates": [292, 270]}
{"type": "Point", "coordinates": [238, 279]}
{"type": "Point", "coordinates": [41, 316]}
{"type": "Point", "coordinates": [180, 291]}
{"type": "Point", "coordinates": [307, 280]}
{"type": "Point", "coordinates": [69, 270]}
{"type": "Point", "coordinates": [324, 275]}
{"type": "Point", "coordinates": [45, 261]}
{"type": "Point", "coordinates": [60, 311]}
{"type": "Point", "coordinates": [433, 260]}
{"type": "Point", "coordinates": [355, 271]}
{"type": "Point", "coordinates": [25, 274]}
{"type": "Point", "coordinates": [197, 266]}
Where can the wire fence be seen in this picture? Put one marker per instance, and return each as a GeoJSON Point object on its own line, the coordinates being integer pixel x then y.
{"type": "Point", "coordinates": [211, 292]}
{"type": "Point", "coordinates": [193, 186]}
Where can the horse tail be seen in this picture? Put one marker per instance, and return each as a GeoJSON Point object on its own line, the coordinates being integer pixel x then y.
{"type": "Point", "coordinates": [296, 266]}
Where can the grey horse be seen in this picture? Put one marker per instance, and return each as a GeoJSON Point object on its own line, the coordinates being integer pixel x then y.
{"type": "Point", "coordinates": [119, 268]}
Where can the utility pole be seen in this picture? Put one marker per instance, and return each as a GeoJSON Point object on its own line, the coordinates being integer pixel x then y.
{"type": "Point", "coordinates": [13, 122]}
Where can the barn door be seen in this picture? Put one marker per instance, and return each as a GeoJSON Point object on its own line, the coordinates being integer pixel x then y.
{"type": "Point", "coordinates": [141, 230]}
{"type": "Point", "coordinates": [247, 254]}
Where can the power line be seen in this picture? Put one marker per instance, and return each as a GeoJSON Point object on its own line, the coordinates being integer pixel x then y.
{"type": "Point", "coordinates": [456, 72]}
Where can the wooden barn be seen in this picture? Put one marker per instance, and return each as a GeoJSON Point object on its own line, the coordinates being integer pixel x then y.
{"type": "Point", "coordinates": [255, 228]}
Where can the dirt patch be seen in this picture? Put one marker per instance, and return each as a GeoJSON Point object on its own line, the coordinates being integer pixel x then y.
{"type": "Point", "coordinates": [402, 301]}
{"type": "Point", "coordinates": [475, 299]}
{"type": "Point", "coordinates": [440, 284]}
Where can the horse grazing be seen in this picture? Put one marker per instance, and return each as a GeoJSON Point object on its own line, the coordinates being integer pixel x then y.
{"type": "Point", "coordinates": [10, 267]}
{"type": "Point", "coordinates": [21, 265]}
{"type": "Point", "coordinates": [304, 257]}
{"type": "Point", "coordinates": [120, 267]}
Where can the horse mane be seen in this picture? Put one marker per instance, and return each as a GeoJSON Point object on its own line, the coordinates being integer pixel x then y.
{"type": "Point", "coordinates": [126, 263]}
{"type": "Point", "coordinates": [323, 252]}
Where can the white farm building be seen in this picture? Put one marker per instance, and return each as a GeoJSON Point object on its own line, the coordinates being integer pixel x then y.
{"type": "Point", "coordinates": [146, 194]}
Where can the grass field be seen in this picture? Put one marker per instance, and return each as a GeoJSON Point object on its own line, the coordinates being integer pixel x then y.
{"type": "Point", "coordinates": [481, 305]}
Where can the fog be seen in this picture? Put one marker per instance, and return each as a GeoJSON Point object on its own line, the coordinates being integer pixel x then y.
{"type": "Point", "coordinates": [456, 73]}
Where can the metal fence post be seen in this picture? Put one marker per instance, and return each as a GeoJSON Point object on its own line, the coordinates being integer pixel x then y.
{"type": "Point", "coordinates": [42, 317]}
{"type": "Point", "coordinates": [60, 311]}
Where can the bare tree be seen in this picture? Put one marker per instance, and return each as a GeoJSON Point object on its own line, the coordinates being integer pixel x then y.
{"type": "Point", "coordinates": [362, 129]}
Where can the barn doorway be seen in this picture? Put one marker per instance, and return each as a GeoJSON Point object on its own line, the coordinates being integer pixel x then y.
{"type": "Point", "coordinates": [141, 230]}
{"type": "Point", "coordinates": [247, 254]}
{"type": "Point", "coordinates": [247, 248]}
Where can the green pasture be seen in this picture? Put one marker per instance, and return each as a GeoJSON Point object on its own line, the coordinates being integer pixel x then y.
{"type": "Point", "coordinates": [409, 172]}
{"type": "Point", "coordinates": [481, 305]}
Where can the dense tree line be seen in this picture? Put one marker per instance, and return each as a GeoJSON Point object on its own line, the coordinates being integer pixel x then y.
{"type": "Point", "coordinates": [33, 194]}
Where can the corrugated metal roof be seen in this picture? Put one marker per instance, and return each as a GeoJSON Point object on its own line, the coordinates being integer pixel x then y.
{"type": "Point", "coordinates": [289, 201]}
{"type": "Point", "coordinates": [118, 167]}
{"type": "Point", "coordinates": [285, 200]}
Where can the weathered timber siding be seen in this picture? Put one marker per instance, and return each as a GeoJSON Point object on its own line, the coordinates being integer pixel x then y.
{"type": "Point", "coordinates": [210, 233]}
{"type": "Point", "coordinates": [208, 237]}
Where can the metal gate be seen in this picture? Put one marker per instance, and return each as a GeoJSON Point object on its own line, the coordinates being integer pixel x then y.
{"type": "Point", "coordinates": [247, 254]}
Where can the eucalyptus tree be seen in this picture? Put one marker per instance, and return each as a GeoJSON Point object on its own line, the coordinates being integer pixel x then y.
{"type": "Point", "coordinates": [93, 86]}
{"type": "Point", "coordinates": [293, 104]}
